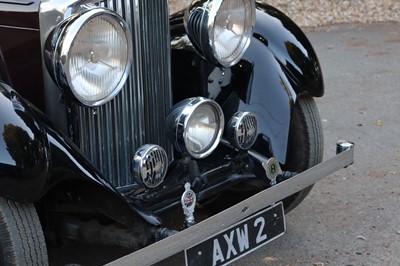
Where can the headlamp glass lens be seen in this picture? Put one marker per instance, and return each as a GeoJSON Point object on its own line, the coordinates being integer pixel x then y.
{"type": "Point", "coordinates": [202, 129]}
{"type": "Point", "coordinates": [229, 30]}
{"type": "Point", "coordinates": [98, 59]}
{"type": "Point", "coordinates": [232, 30]}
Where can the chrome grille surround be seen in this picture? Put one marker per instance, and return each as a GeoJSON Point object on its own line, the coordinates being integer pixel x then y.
{"type": "Point", "coordinates": [109, 135]}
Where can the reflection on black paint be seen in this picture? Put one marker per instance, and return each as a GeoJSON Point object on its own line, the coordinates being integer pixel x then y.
{"type": "Point", "coordinates": [20, 146]}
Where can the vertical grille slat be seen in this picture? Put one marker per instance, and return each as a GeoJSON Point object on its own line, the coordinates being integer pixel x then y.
{"type": "Point", "coordinates": [110, 137]}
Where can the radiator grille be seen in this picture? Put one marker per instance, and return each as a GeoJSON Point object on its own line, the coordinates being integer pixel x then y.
{"type": "Point", "coordinates": [109, 135]}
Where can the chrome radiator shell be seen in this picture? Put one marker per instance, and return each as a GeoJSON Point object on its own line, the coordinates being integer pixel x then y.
{"type": "Point", "coordinates": [109, 135]}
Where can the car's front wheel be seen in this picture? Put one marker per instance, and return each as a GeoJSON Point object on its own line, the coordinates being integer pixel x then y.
{"type": "Point", "coordinates": [305, 145]}
{"type": "Point", "coordinates": [21, 236]}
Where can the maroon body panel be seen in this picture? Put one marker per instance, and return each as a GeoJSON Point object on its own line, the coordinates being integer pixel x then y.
{"type": "Point", "coordinates": [20, 48]}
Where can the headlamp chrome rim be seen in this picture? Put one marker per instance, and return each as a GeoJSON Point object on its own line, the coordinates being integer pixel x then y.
{"type": "Point", "coordinates": [61, 41]}
{"type": "Point", "coordinates": [178, 125]}
{"type": "Point", "coordinates": [201, 21]}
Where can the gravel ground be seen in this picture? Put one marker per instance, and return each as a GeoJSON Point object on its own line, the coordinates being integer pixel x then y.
{"type": "Point", "coordinates": [314, 13]}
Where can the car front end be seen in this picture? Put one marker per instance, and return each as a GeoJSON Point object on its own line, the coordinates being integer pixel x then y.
{"type": "Point", "coordinates": [118, 115]}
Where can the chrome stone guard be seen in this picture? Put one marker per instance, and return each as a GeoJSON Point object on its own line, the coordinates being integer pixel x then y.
{"type": "Point", "coordinates": [199, 232]}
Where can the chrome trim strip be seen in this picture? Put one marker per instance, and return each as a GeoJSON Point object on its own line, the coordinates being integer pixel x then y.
{"type": "Point", "coordinates": [18, 28]}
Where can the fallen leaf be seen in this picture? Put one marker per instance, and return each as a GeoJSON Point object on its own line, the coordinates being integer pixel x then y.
{"type": "Point", "coordinates": [269, 259]}
{"type": "Point", "coordinates": [379, 123]}
{"type": "Point", "coordinates": [361, 238]}
{"type": "Point", "coordinates": [377, 174]}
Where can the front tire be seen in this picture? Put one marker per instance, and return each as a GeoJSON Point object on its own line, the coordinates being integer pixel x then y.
{"type": "Point", "coordinates": [21, 236]}
{"type": "Point", "coordinates": [305, 145]}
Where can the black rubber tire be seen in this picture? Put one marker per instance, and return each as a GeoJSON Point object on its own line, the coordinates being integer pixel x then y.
{"type": "Point", "coordinates": [305, 145]}
{"type": "Point", "coordinates": [21, 236]}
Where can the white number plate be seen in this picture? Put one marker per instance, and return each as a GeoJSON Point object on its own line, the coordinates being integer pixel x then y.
{"type": "Point", "coordinates": [239, 239]}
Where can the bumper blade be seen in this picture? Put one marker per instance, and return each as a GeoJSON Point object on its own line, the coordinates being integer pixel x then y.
{"type": "Point", "coordinates": [201, 231]}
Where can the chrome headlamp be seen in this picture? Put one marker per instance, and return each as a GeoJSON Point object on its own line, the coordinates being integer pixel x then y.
{"type": "Point", "coordinates": [89, 55]}
{"type": "Point", "coordinates": [195, 126]}
{"type": "Point", "coordinates": [221, 30]}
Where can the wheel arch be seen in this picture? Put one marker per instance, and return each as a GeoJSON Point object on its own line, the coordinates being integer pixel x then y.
{"type": "Point", "coordinates": [285, 67]}
{"type": "Point", "coordinates": [35, 157]}
{"type": "Point", "coordinates": [279, 65]}
{"type": "Point", "coordinates": [291, 49]}
{"type": "Point", "coordinates": [24, 164]}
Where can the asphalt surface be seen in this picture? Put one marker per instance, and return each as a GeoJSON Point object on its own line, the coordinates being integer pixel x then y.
{"type": "Point", "coordinates": [352, 217]}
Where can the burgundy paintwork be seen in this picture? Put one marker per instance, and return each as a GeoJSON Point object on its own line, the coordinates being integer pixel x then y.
{"type": "Point", "coordinates": [19, 21]}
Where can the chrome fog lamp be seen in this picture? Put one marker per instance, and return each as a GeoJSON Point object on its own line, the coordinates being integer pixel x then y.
{"type": "Point", "coordinates": [195, 126]}
{"type": "Point", "coordinates": [89, 55]}
{"type": "Point", "coordinates": [221, 30]}
{"type": "Point", "coordinates": [149, 165]}
{"type": "Point", "coordinates": [242, 130]}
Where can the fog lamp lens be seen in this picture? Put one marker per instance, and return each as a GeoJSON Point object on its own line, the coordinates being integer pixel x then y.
{"type": "Point", "coordinates": [196, 126]}
{"type": "Point", "coordinates": [202, 129]}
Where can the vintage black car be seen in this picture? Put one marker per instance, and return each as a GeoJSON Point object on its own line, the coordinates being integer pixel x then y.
{"type": "Point", "coordinates": [115, 114]}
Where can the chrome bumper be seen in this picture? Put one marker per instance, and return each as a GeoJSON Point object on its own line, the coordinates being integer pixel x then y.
{"type": "Point", "coordinates": [201, 231]}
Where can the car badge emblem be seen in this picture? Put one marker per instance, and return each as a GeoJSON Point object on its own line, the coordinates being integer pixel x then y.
{"type": "Point", "coordinates": [188, 201]}
{"type": "Point", "coordinates": [272, 170]}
